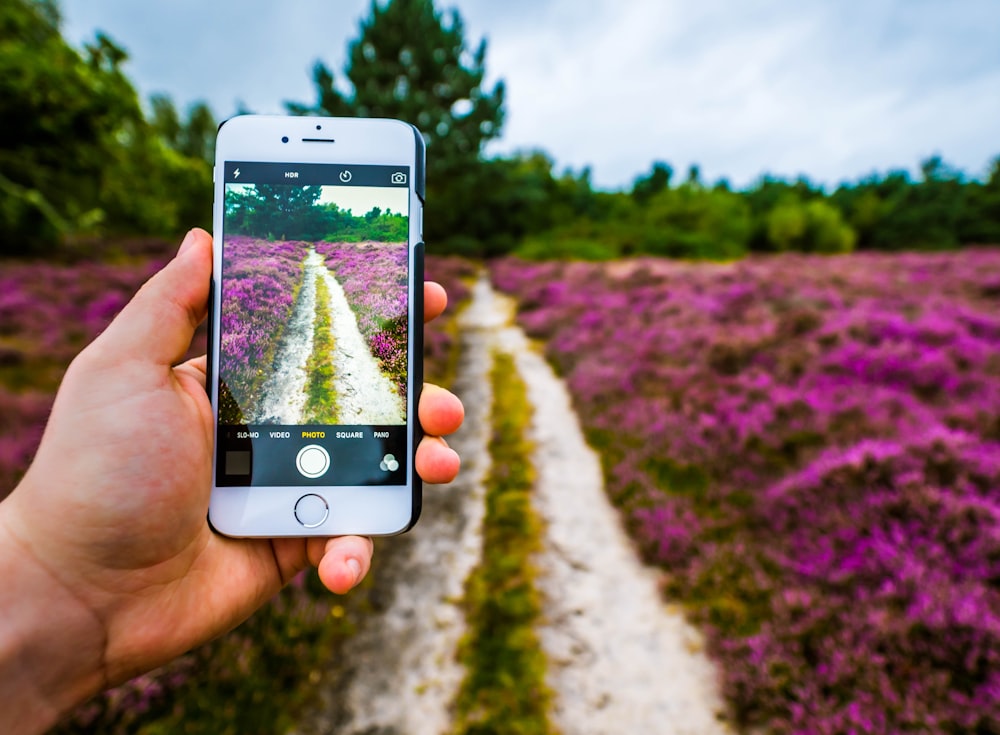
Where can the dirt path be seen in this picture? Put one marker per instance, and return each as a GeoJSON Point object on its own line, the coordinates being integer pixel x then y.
{"type": "Point", "coordinates": [619, 659]}
{"type": "Point", "coordinates": [364, 394]}
{"type": "Point", "coordinates": [398, 674]}
{"type": "Point", "coordinates": [284, 395]}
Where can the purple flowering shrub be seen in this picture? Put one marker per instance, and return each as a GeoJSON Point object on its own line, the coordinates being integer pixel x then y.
{"type": "Point", "coordinates": [48, 313]}
{"type": "Point", "coordinates": [22, 420]}
{"type": "Point", "coordinates": [260, 285]}
{"type": "Point", "coordinates": [810, 448]}
{"type": "Point", "coordinates": [374, 278]}
{"type": "Point", "coordinates": [441, 342]}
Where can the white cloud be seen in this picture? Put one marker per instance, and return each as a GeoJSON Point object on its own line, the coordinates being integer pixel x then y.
{"type": "Point", "coordinates": [784, 87]}
{"type": "Point", "coordinates": [831, 90]}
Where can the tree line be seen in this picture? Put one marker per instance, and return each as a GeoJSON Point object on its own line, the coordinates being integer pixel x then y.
{"type": "Point", "coordinates": [282, 212]}
{"type": "Point", "coordinates": [80, 156]}
{"type": "Point", "coordinates": [83, 158]}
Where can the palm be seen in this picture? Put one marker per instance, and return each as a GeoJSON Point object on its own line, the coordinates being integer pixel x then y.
{"type": "Point", "coordinates": [120, 546]}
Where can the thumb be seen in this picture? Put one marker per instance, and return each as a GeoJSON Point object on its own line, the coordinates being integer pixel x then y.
{"type": "Point", "coordinates": [158, 323]}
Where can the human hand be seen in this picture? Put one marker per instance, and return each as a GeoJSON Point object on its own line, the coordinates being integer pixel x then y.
{"type": "Point", "coordinates": [109, 565]}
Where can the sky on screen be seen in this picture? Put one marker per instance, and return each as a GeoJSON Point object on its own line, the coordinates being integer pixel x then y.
{"type": "Point", "coordinates": [832, 90]}
{"type": "Point", "coordinates": [361, 199]}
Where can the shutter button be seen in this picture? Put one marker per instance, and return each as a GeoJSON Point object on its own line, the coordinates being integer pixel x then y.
{"type": "Point", "coordinates": [312, 461]}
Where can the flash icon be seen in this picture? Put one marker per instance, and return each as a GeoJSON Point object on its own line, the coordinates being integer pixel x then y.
{"type": "Point", "coordinates": [236, 174]}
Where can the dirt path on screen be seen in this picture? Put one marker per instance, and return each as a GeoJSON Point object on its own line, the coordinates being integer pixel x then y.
{"type": "Point", "coordinates": [364, 394]}
{"type": "Point", "coordinates": [283, 395]}
{"type": "Point", "coordinates": [619, 659]}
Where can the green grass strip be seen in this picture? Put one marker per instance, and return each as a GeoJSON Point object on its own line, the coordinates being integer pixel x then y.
{"type": "Point", "coordinates": [321, 397]}
{"type": "Point", "coordinates": [504, 689]}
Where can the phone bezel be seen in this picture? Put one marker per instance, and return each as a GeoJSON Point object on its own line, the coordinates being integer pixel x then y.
{"type": "Point", "coordinates": [369, 510]}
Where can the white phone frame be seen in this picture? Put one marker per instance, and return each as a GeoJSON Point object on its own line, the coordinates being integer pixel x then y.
{"type": "Point", "coordinates": [378, 510]}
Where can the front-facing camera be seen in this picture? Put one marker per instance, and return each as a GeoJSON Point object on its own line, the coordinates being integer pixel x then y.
{"type": "Point", "coordinates": [284, 139]}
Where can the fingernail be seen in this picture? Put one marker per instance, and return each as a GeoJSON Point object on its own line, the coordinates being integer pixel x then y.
{"type": "Point", "coordinates": [186, 243]}
{"type": "Point", "coordinates": [355, 566]}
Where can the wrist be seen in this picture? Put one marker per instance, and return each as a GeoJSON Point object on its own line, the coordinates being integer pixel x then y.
{"type": "Point", "coordinates": [51, 643]}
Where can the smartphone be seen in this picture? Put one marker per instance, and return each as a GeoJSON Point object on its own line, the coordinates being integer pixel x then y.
{"type": "Point", "coordinates": [316, 326]}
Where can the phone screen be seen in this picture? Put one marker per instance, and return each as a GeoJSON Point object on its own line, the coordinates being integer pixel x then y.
{"type": "Point", "coordinates": [313, 337]}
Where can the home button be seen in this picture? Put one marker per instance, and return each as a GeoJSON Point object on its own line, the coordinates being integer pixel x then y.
{"type": "Point", "coordinates": [311, 510]}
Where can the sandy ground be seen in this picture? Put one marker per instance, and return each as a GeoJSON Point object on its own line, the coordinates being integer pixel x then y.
{"type": "Point", "coordinates": [619, 659]}
{"type": "Point", "coordinates": [398, 673]}
{"type": "Point", "coordinates": [364, 394]}
{"type": "Point", "coordinates": [284, 395]}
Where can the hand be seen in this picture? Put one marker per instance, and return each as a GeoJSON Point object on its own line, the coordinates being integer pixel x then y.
{"type": "Point", "coordinates": [109, 566]}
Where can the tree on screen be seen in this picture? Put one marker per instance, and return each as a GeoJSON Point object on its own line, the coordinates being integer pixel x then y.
{"type": "Point", "coordinates": [282, 212]}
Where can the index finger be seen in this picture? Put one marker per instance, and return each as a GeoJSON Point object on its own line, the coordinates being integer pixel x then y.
{"type": "Point", "coordinates": [435, 300]}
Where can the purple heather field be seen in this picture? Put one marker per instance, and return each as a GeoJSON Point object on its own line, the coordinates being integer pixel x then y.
{"type": "Point", "coordinates": [809, 447]}
{"type": "Point", "coordinates": [260, 285]}
{"type": "Point", "coordinates": [48, 313]}
{"type": "Point", "coordinates": [260, 292]}
{"type": "Point", "coordinates": [374, 278]}
{"type": "Point", "coordinates": [440, 336]}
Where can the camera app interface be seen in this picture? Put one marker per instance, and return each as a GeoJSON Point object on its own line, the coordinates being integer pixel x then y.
{"type": "Point", "coordinates": [312, 373]}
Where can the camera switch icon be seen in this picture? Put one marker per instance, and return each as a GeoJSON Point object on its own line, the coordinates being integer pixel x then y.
{"type": "Point", "coordinates": [398, 177]}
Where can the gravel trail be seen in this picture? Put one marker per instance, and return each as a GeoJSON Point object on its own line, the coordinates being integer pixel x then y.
{"type": "Point", "coordinates": [364, 394]}
{"type": "Point", "coordinates": [283, 395]}
{"type": "Point", "coordinates": [398, 674]}
{"type": "Point", "coordinates": [620, 660]}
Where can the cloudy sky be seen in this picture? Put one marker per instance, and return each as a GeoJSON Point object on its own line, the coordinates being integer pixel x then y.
{"type": "Point", "coordinates": [833, 90]}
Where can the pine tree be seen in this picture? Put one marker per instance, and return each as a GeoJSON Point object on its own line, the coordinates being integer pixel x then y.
{"type": "Point", "coordinates": [410, 62]}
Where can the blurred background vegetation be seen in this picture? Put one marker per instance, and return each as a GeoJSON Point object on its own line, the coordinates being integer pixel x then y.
{"type": "Point", "coordinates": [84, 159]}
{"type": "Point", "coordinates": [89, 171]}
